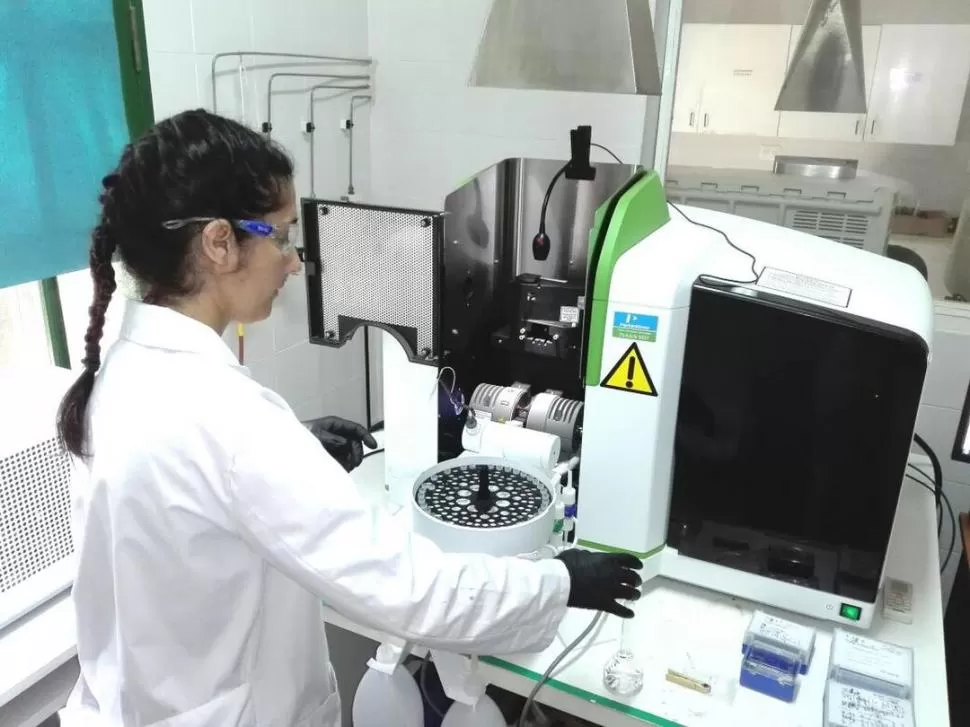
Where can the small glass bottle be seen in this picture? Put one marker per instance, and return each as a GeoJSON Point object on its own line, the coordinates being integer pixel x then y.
{"type": "Point", "coordinates": [623, 674]}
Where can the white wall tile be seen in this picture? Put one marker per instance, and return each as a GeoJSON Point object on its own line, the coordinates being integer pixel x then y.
{"type": "Point", "coordinates": [168, 26]}
{"type": "Point", "coordinates": [949, 372]}
{"type": "Point", "coordinates": [174, 86]}
{"type": "Point", "coordinates": [426, 30]}
{"type": "Point", "coordinates": [290, 320]}
{"type": "Point", "coordinates": [332, 27]}
{"type": "Point", "coordinates": [274, 25]}
{"type": "Point", "coordinates": [298, 375]}
{"type": "Point", "coordinates": [222, 27]}
{"type": "Point", "coordinates": [938, 426]}
{"type": "Point", "coordinates": [264, 371]}
{"type": "Point", "coordinates": [347, 401]}
{"type": "Point", "coordinates": [234, 91]}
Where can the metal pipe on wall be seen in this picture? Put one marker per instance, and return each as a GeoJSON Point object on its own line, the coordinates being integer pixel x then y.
{"type": "Point", "coordinates": [336, 60]}
{"type": "Point", "coordinates": [268, 124]}
{"type": "Point", "coordinates": [311, 124]}
{"type": "Point", "coordinates": [350, 141]}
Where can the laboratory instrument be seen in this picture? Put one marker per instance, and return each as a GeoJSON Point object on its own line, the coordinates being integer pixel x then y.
{"type": "Point", "coordinates": [738, 398]}
{"type": "Point", "coordinates": [821, 197]}
{"type": "Point", "coordinates": [36, 549]}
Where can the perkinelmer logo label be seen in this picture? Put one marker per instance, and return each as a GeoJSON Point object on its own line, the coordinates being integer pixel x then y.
{"type": "Point", "coordinates": [635, 327]}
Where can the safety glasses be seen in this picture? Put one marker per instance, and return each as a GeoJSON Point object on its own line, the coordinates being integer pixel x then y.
{"type": "Point", "coordinates": [280, 235]}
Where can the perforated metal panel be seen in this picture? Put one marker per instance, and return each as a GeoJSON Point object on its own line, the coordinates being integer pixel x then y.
{"type": "Point", "coordinates": [35, 529]}
{"type": "Point", "coordinates": [371, 265]}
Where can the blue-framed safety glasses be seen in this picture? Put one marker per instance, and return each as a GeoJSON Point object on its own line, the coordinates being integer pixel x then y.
{"type": "Point", "coordinates": [260, 228]}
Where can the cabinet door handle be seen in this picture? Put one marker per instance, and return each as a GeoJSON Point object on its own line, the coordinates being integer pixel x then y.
{"type": "Point", "coordinates": [857, 122]}
{"type": "Point", "coordinates": [872, 130]}
{"type": "Point", "coordinates": [135, 38]}
{"type": "Point", "coordinates": [707, 118]}
{"type": "Point", "coordinates": [691, 123]}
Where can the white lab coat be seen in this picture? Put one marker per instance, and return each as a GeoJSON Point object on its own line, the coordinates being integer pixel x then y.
{"type": "Point", "coordinates": [212, 525]}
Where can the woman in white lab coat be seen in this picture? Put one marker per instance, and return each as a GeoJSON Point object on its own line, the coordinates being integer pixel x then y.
{"type": "Point", "coordinates": [211, 523]}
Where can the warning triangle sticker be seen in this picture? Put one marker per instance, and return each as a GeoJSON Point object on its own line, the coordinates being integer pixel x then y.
{"type": "Point", "coordinates": [630, 374]}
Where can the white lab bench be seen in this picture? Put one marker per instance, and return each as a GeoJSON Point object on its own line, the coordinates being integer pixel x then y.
{"type": "Point", "coordinates": [680, 627]}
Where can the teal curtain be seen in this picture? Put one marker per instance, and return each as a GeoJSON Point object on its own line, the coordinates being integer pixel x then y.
{"type": "Point", "coordinates": [62, 127]}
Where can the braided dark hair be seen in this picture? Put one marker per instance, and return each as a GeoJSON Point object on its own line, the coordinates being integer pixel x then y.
{"type": "Point", "coordinates": [195, 164]}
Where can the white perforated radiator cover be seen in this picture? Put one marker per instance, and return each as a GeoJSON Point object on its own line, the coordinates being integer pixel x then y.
{"type": "Point", "coordinates": [35, 501]}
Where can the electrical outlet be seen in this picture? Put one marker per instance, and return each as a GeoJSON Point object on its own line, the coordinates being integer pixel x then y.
{"type": "Point", "coordinates": [768, 152]}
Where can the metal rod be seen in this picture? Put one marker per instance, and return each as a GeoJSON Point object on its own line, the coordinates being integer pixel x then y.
{"type": "Point", "coordinates": [661, 150]}
{"type": "Point", "coordinates": [312, 130]}
{"type": "Point", "coordinates": [287, 74]}
{"type": "Point", "coordinates": [263, 54]}
{"type": "Point", "coordinates": [367, 406]}
{"type": "Point", "coordinates": [350, 142]}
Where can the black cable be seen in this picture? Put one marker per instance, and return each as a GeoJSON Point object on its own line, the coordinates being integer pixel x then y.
{"type": "Point", "coordinates": [722, 233]}
{"type": "Point", "coordinates": [934, 460]}
{"type": "Point", "coordinates": [953, 520]}
{"type": "Point", "coordinates": [545, 200]}
{"type": "Point", "coordinates": [938, 479]}
{"type": "Point", "coordinates": [608, 151]}
{"type": "Point", "coordinates": [372, 453]}
{"type": "Point", "coordinates": [926, 481]}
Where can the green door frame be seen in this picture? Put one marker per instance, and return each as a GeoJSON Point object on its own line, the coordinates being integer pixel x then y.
{"type": "Point", "coordinates": [139, 114]}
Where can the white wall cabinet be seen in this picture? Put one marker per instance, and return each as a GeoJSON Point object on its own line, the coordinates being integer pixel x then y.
{"type": "Point", "coordinates": [919, 85]}
{"type": "Point", "coordinates": [729, 77]}
{"type": "Point", "coordinates": [826, 126]}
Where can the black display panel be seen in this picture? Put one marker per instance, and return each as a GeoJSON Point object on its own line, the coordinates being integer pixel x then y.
{"type": "Point", "coordinates": [793, 431]}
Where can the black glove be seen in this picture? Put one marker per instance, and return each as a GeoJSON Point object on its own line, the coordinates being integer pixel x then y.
{"type": "Point", "coordinates": [343, 440]}
{"type": "Point", "coordinates": [599, 580]}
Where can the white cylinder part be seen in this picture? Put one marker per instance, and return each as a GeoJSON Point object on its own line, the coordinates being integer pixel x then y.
{"type": "Point", "coordinates": [517, 445]}
{"type": "Point", "coordinates": [485, 713]}
{"type": "Point", "coordinates": [512, 540]}
{"type": "Point", "coordinates": [388, 699]}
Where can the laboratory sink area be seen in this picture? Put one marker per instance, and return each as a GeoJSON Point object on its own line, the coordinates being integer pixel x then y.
{"type": "Point", "coordinates": [494, 363]}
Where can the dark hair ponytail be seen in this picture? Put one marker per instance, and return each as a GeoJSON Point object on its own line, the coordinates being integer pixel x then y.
{"type": "Point", "coordinates": [71, 427]}
{"type": "Point", "coordinates": [194, 164]}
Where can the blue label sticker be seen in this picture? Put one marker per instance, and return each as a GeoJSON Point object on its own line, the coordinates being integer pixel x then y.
{"type": "Point", "coordinates": [635, 327]}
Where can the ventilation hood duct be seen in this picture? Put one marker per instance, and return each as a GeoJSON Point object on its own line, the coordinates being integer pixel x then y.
{"type": "Point", "coordinates": [826, 71]}
{"type": "Point", "coordinates": [599, 46]}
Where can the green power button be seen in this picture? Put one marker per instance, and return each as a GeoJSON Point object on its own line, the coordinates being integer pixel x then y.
{"type": "Point", "coordinates": [853, 613]}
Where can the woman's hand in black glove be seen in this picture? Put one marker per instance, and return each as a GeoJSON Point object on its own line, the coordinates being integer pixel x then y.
{"type": "Point", "coordinates": [343, 440]}
{"type": "Point", "coordinates": [599, 580]}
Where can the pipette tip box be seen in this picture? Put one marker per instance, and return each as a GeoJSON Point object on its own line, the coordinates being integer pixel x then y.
{"type": "Point", "coordinates": [784, 635]}
{"type": "Point", "coordinates": [872, 665]}
{"type": "Point", "coordinates": [770, 670]}
{"type": "Point", "coordinates": [849, 706]}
